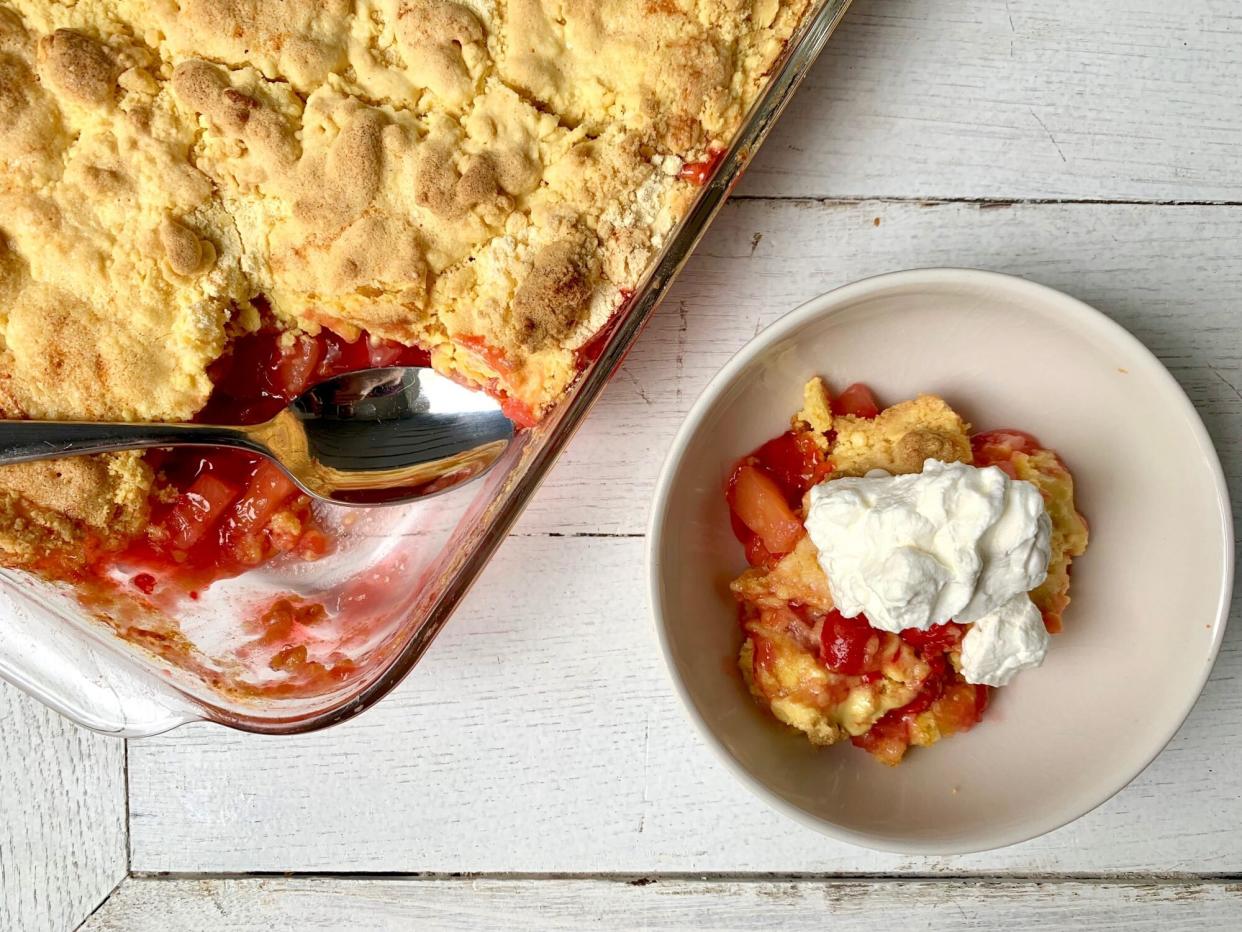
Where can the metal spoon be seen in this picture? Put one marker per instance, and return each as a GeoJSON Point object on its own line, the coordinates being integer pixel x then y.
{"type": "Point", "coordinates": [379, 435]}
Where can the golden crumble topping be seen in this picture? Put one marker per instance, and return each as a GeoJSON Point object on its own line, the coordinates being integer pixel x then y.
{"type": "Point", "coordinates": [51, 506]}
{"type": "Point", "coordinates": [900, 438]}
{"type": "Point", "coordinates": [816, 414]}
{"type": "Point", "coordinates": [484, 179]}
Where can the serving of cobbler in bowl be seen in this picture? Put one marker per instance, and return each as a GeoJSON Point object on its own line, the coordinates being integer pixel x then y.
{"type": "Point", "coordinates": [868, 536]}
{"type": "Point", "coordinates": [882, 610]}
{"type": "Point", "coordinates": [207, 206]}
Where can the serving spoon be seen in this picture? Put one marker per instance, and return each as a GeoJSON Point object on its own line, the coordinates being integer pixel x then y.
{"type": "Point", "coordinates": [374, 436]}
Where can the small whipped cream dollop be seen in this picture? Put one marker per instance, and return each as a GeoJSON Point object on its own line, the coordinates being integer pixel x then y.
{"type": "Point", "coordinates": [1000, 645]}
{"type": "Point", "coordinates": [952, 543]}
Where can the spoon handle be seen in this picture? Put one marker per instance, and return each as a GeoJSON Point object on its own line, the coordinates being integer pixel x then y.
{"type": "Point", "coordinates": [25, 441]}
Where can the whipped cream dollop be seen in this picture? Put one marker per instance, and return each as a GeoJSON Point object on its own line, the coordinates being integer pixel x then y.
{"type": "Point", "coordinates": [952, 543]}
{"type": "Point", "coordinates": [1000, 645]}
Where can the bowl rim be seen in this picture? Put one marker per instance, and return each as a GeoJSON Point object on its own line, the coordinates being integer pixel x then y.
{"type": "Point", "coordinates": [832, 302]}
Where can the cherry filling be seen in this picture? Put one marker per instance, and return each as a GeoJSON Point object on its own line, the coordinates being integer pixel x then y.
{"type": "Point", "coordinates": [263, 371]}
{"type": "Point", "coordinates": [765, 490]}
{"type": "Point", "coordinates": [998, 448]}
{"type": "Point", "coordinates": [795, 461]}
{"type": "Point", "coordinates": [847, 645]}
{"type": "Point", "coordinates": [857, 401]}
{"type": "Point", "coordinates": [699, 173]}
{"type": "Point", "coordinates": [227, 512]}
{"type": "Point", "coordinates": [222, 512]}
{"type": "Point", "coordinates": [938, 639]}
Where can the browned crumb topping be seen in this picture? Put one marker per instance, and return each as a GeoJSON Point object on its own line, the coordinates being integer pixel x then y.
{"type": "Point", "coordinates": [484, 180]}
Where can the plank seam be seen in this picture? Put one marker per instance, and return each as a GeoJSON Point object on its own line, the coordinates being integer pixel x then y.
{"type": "Point", "coordinates": [1173, 878]}
{"type": "Point", "coordinates": [621, 535]}
{"type": "Point", "coordinates": [129, 834]}
{"type": "Point", "coordinates": [103, 902]}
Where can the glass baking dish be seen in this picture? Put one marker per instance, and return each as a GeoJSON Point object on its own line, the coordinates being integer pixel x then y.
{"type": "Point", "coordinates": [397, 573]}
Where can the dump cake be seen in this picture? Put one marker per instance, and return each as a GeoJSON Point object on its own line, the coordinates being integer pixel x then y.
{"type": "Point", "coordinates": [901, 567]}
{"type": "Point", "coordinates": [207, 204]}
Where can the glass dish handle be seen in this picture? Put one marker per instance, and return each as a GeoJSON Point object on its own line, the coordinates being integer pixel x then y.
{"type": "Point", "coordinates": [43, 655]}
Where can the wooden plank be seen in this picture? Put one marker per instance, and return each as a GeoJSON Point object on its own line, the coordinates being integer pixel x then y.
{"type": "Point", "coordinates": [62, 817]}
{"type": "Point", "coordinates": [1021, 99]}
{"type": "Point", "coordinates": [812, 905]}
{"type": "Point", "coordinates": [1172, 276]}
{"type": "Point", "coordinates": [544, 712]}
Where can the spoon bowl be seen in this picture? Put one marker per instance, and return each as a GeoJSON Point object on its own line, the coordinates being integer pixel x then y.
{"type": "Point", "coordinates": [376, 436]}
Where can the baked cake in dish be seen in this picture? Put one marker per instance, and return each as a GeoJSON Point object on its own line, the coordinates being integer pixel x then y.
{"type": "Point", "coordinates": [206, 205]}
{"type": "Point", "coordinates": [835, 677]}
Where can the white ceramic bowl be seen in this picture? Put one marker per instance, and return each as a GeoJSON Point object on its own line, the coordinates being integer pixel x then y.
{"type": "Point", "coordinates": [1150, 597]}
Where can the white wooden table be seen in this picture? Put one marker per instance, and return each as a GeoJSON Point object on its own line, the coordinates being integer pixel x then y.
{"type": "Point", "coordinates": [536, 770]}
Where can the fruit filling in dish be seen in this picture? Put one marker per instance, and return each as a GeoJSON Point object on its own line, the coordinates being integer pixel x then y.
{"type": "Point", "coordinates": [214, 514]}
{"type": "Point", "coordinates": [901, 567]}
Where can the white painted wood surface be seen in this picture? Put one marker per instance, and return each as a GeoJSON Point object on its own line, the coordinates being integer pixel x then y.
{"type": "Point", "coordinates": [62, 817]}
{"type": "Point", "coordinates": [540, 733]}
{"type": "Point", "coordinates": [1095, 99]}
{"type": "Point", "coordinates": [308, 905]}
